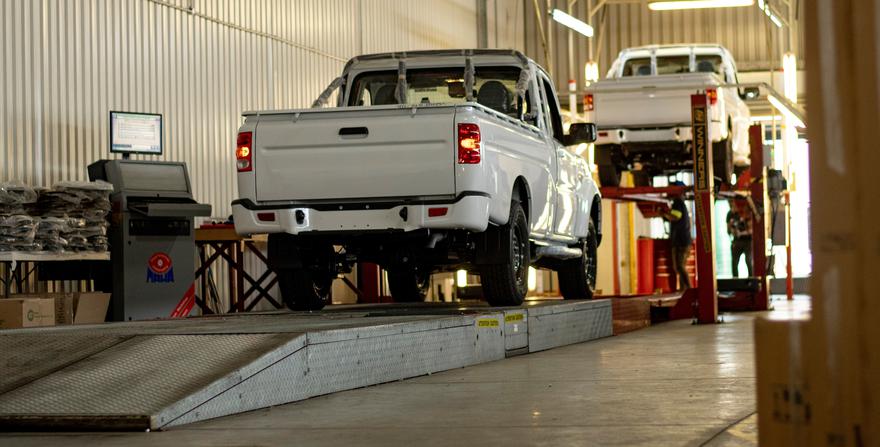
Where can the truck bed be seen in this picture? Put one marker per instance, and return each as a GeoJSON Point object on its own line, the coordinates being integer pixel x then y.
{"type": "Point", "coordinates": [647, 101]}
{"type": "Point", "coordinates": [354, 153]}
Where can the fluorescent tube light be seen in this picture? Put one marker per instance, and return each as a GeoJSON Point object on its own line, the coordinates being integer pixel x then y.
{"type": "Point", "coordinates": [789, 76]}
{"type": "Point", "coordinates": [572, 22]}
{"type": "Point", "coordinates": [764, 6]}
{"type": "Point", "coordinates": [697, 4]}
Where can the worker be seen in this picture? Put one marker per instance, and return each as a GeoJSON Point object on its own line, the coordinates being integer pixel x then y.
{"type": "Point", "coordinates": [740, 230]}
{"type": "Point", "coordinates": [680, 239]}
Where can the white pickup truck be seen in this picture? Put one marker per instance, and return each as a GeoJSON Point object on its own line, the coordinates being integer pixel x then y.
{"type": "Point", "coordinates": [430, 161]}
{"type": "Point", "coordinates": [642, 110]}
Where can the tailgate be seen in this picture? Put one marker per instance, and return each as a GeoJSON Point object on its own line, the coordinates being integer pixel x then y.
{"type": "Point", "coordinates": [647, 101]}
{"type": "Point", "coordinates": [355, 153]}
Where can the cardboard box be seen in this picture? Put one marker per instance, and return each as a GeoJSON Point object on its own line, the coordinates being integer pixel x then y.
{"type": "Point", "coordinates": [90, 307]}
{"type": "Point", "coordinates": [81, 307]}
{"type": "Point", "coordinates": [785, 396]}
{"type": "Point", "coordinates": [26, 312]}
{"type": "Point", "coordinates": [77, 307]}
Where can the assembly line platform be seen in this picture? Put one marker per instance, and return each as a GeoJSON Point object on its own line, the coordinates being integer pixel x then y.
{"type": "Point", "coordinates": [159, 374]}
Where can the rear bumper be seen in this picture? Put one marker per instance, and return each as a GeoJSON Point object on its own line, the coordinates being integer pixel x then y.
{"type": "Point", "coordinates": [469, 211]}
{"type": "Point", "coordinates": [678, 134]}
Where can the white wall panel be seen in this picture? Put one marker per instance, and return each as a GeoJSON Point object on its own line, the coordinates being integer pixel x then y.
{"type": "Point", "coordinates": [198, 62]}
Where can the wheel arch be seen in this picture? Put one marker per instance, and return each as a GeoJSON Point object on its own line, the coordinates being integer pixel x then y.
{"type": "Point", "coordinates": [596, 217]}
{"type": "Point", "coordinates": [523, 193]}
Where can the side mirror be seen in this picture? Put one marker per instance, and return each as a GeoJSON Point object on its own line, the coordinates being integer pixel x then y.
{"type": "Point", "coordinates": [580, 133]}
{"type": "Point", "coordinates": [751, 93]}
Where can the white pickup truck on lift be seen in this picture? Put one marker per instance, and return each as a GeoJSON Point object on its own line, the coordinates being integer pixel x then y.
{"type": "Point", "coordinates": [642, 110]}
{"type": "Point", "coordinates": [430, 161]}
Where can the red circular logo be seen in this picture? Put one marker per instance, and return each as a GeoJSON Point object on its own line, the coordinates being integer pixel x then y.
{"type": "Point", "coordinates": [160, 263]}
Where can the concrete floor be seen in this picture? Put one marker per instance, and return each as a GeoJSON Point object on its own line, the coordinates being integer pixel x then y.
{"type": "Point", "coordinates": [671, 384]}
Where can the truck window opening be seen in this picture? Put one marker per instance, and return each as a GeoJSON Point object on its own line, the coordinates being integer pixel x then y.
{"type": "Point", "coordinates": [494, 87]}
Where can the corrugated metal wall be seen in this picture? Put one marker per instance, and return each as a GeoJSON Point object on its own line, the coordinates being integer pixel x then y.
{"type": "Point", "coordinates": [200, 63]}
{"type": "Point", "coordinates": [745, 31]}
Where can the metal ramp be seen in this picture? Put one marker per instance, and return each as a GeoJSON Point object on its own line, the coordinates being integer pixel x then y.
{"type": "Point", "coordinates": [155, 375]}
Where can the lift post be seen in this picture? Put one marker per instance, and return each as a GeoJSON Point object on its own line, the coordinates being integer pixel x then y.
{"type": "Point", "coordinates": [758, 191]}
{"type": "Point", "coordinates": [704, 184]}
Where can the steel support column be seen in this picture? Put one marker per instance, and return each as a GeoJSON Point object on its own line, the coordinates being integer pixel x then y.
{"type": "Point", "coordinates": [707, 297]}
{"type": "Point", "coordinates": [758, 191]}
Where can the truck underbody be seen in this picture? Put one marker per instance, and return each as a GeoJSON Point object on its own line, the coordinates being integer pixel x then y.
{"type": "Point", "coordinates": [649, 159]}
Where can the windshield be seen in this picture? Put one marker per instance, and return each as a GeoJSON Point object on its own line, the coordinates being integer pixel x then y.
{"type": "Point", "coordinates": [641, 66]}
{"type": "Point", "coordinates": [494, 87]}
{"type": "Point", "coordinates": [673, 64]}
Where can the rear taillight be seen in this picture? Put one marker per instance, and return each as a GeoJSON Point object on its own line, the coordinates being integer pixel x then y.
{"type": "Point", "coordinates": [244, 151]}
{"type": "Point", "coordinates": [437, 212]}
{"type": "Point", "coordinates": [468, 144]}
{"type": "Point", "coordinates": [712, 94]}
{"type": "Point", "coordinates": [588, 102]}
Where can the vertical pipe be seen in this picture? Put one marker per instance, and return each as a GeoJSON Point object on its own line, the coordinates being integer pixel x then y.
{"type": "Point", "coordinates": [614, 249]}
{"type": "Point", "coordinates": [789, 279]}
{"type": "Point", "coordinates": [633, 264]}
{"type": "Point", "coordinates": [572, 78]}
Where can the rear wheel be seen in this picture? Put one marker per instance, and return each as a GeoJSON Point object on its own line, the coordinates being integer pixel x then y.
{"type": "Point", "coordinates": [409, 285]}
{"type": "Point", "coordinates": [722, 160]}
{"type": "Point", "coordinates": [308, 287]}
{"type": "Point", "coordinates": [506, 284]}
{"type": "Point", "coordinates": [577, 277]}
{"type": "Point", "coordinates": [609, 174]}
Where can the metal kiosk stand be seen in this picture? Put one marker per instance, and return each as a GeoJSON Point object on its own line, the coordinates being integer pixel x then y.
{"type": "Point", "coordinates": [151, 235]}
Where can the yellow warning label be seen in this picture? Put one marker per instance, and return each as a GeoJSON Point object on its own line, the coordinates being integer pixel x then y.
{"type": "Point", "coordinates": [487, 322]}
{"type": "Point", "coordinates": [513, 317]}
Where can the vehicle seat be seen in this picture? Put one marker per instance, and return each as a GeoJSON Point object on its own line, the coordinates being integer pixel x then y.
{"type": "Point", "coordinates": [494, 95]}
{"type": "Point", "coordinates": [385, 95]}
{"type": "Point", "coordinates": [706, 67]}
{"type": "Point", "coordinates": [644, 70]}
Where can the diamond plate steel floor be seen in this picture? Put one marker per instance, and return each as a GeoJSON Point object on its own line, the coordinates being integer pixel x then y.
{"type": "Point", "coordinates": [153, 375]}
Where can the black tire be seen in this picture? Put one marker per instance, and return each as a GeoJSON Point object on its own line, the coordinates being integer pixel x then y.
{"type": "Point", "coordinates": [577, 277]}
{"type": "Point", "coordinates": [408, 285]}
{"type": "Point", "coordinates": [642, 178]}
{"type": "Point", "coordinates": [609, 174]}
{"type": "Point", "coordinates": [506, 284]}
{"type": "Point", "coordinates": [308, 287]}
{"type": "Point", "coordinates": [722, 160]}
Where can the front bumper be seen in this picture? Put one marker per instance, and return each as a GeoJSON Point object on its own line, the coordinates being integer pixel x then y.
{"type": "Point", "coordinates": [467, 212]}
{"type": "Point", "coordinates": [678, 134]}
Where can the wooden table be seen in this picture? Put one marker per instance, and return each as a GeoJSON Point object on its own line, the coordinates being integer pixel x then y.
{"type": "Point", "coordinates": [15, 258]}
{"type": "Point", "coordinates": [227, 245]}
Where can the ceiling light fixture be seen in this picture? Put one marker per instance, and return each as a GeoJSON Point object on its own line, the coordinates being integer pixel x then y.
{"type": "Point", "coordinates": [697, 4]}
{"type": "Point", "coordinates": [765, 6]}
{"type": "Point", "coordinates": [572, 22]}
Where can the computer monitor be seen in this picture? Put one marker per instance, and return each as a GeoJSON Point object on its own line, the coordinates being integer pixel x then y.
{"type": "Point", "coordinates": [135, 133]}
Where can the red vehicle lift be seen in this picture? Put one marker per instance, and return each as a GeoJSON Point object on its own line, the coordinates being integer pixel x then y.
{"type": "Point", "coordinates": [702, 303]}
